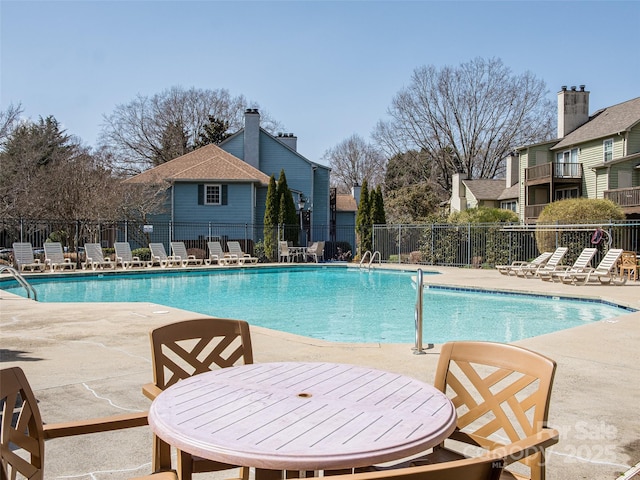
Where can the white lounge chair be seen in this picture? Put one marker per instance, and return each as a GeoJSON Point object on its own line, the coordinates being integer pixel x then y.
{"type": "Point", "coordinates": [531, 271]}
{"type": "Point", "coordinates": [217, 255]}
{"type": "Point", "coordinates": [606, 272]}
{"type": "Point", "coordinates": [159, 256]}
{"type": "Point", "coordinates": [315, 251]}
{"type": "Point", "coordinates": [235, 249]}
{"type": "Point", "coordinates": [94, 257]}
{"type": "Point", "coordinates": [180, 252]}
{"type": "Point", "coordinates": [54, 257]}
{"type": "Point", "coordinates": [581, 263]}
{"type": "Point", "coordinates": [23, 256]}
{"type": "Point", "coordinates": [125, 257]}
{"type": "Point", "coordinates": [511, 269]}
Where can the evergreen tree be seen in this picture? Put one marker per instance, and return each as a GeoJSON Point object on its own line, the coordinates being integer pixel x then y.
{"type": "Point", "coordinates": [271, 220]}
{"type": "Point", "coordinates": [213, 132]}
{"type": "Point", "coordinates": [378, 216]}
{"type": "Point", "coordinates": [363, 220]}
{"type": "Point", "coordinates": [287, 210]}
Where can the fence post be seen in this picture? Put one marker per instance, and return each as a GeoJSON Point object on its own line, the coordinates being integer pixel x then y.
{"type": "Point", "coordinates": [399, 242]}
{"type": "Point", "coordinates": [21, 229]}
{"type": "Point", "coordinates": [469, 262]}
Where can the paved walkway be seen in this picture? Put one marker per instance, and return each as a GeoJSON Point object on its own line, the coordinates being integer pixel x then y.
{"type": "Point", "coordinates": [86, 360]}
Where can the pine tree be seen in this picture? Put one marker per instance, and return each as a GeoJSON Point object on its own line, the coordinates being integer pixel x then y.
{"type": "Point", "coordinates": [271, 220]}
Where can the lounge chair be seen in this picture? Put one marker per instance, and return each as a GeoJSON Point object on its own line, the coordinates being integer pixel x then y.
{"type": "Point", "coordinates": [54, 257]}
{"type": "Point", "coordinates": [125, 258]}
{"type": "Point", "coordinates": [606, 272]}
{"type": "Point", "coordinates": [23, 256]}
{"type": "Point", "coordinates": [217, 255]}
{"type": "Point", "coordinates": [511, 269]}
{"type": "Point", "coordinates": [22, 447]}
{"type": "Point", "coordinates": [315, 251]}
{"type": "Point", "coordinates": [502, 395]}
{"type": "Point", "coordinates": [159, 256]}
{"type": "Point", "coordinates": [180, 252]}
{"type": "Point", "coordinates": [235, 249]}
{"type": "Point", "coordinates": [581, 263]}
{"type": "Point", "coordinates": [94, 258]}
{"type": "Point", "coordinates": [182, 349]}
{"type": "Point", "coordinates": [531, 271]}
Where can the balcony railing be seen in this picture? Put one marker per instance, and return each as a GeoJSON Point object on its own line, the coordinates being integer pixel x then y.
{"type": "Point", "coordinates": [625, 197]}
{"type": "Point", "coordinates": [533, 211]}
{"type": "Point", "coordinates": [559, 170]}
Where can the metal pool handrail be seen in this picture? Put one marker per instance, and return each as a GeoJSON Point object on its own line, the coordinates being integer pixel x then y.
{"type": "Point", "coordinates": [21, 280]}
{"type": "Point", "coordinates": [417, 349]}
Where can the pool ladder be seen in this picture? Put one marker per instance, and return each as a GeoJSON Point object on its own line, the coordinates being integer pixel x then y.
{"type": "Point", "coordinates": [371, 257]}
{"type": "Point", "coordinates": [21, 280]}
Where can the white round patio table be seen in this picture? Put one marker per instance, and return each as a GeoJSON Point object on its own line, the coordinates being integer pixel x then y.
{"type": "Point", "coordinates": [302, 416]}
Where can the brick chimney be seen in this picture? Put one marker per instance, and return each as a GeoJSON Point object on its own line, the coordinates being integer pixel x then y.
{"type": "Point", "coordinates": [252, 137]}
{"type": "Point", "coordinates": [573, 109]}
{"type": "Point", "coordinates": [289, 139]}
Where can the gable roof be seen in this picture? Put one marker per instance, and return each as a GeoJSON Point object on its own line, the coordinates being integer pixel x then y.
{"type": "Point", "coordinates": [346, 203]}
{"type": "Point", "coordinates": [208, 163]}
{"type": "Point", "coordinates": [513, 192]}
{"type": "Point", "coordinates": [606, 122]}
{"type": "Point", "coordinates": [280, 143]}
{"type": "Point", "coordinates": [485, 189]}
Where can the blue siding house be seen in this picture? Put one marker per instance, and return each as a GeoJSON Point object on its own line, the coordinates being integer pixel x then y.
{"type": "Point", "coordinates": [225, 185]}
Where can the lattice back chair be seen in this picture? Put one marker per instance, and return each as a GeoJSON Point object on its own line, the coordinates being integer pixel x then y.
{"type": "Point", "coordinates": [23, 433]}
{"type": "Point", "coordinates": [186, 348]}
{"type": "Point", "coordinates": [501, 393]}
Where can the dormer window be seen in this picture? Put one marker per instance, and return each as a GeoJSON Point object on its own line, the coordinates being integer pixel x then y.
{"type": "Point", "coordinates": [607, 147]}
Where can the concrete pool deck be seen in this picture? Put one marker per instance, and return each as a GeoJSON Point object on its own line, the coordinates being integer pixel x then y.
{"type": "Point", "coordinates": [87, 360]}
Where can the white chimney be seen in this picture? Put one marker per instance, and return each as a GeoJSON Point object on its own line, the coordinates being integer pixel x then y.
{"type": "Point", "coordinates": [289, 139]}
{"type": "Point", "coordinates": [513, 170]}
{"type": "Point", "coordinates": [573, 109]}
{"type": "Point", "coordinates": [458, 193]}
{"type": "Point", "coordinates": [252, 137]}
{"type": "Point", "coordinates": [355, 192]}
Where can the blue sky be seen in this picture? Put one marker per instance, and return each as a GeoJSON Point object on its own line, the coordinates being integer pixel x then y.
{"type": "Point", "coordinates": [324, 69]}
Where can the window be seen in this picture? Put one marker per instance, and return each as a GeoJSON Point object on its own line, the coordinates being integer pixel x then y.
{"type": "Point", "coordinates": [567, 164]}
{"type": "Point", "coordinates": [212, 195]}
{"type": "Point", "coordinates": [607, 147]}
{"type": "Point", "coordinates": [510, 205]}
{"type": "Point", "coordinates": [564, 193]}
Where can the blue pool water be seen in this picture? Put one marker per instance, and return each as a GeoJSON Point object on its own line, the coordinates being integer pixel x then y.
{"type": "Point", "coordinates": [336, 304]}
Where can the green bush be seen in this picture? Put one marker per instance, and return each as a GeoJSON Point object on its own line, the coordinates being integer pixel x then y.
{"type": "Point", "coordinates": [575, 211]}
{"type": "Point", "coordinates": [143, 254]}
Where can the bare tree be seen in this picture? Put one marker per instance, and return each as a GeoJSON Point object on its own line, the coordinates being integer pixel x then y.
{"type": "Point", "coordinates": [151, 130]}
{"type": "Point", "coordinates": [467, 118]}
{"type": "Point", "coordinates": [353, 161]}
{"type": "Point", "coordinates": [8, 121]}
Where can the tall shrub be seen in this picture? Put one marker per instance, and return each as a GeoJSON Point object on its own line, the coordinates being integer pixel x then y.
{"type": "Point", "coordinates": [270, 229]}
{"type": "Point", "coordinates": [363, 220]}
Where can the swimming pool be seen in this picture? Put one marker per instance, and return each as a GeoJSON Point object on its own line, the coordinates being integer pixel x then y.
{"type": "Point", "coordinates": [336, 304]}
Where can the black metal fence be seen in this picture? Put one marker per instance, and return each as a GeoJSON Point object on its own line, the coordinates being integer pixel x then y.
{"type": "Point", "coordinates": [487, 245]}
{"type": "Point", "coordinates": [74, 234]}
{"type": "Point", "coordinates": [475, 245]}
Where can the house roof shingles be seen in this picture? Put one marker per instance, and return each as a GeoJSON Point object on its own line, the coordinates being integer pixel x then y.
{"type": "Point", "coordinates": [609, 121]}
{"type": "Point", "coordinates": [485, 189]}
{"type": "Point", "coordinates": [346, 203]}
{"type": "Point", "coordinates": [209, 163]}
